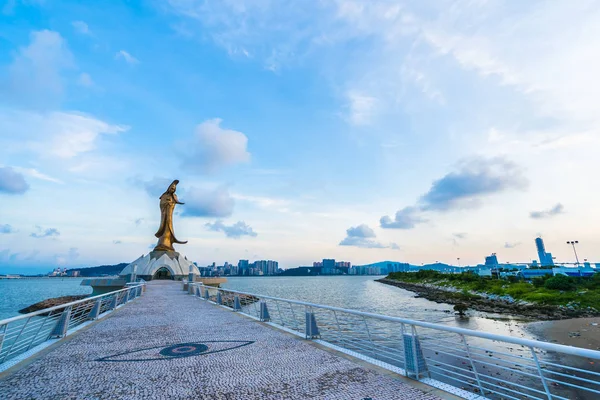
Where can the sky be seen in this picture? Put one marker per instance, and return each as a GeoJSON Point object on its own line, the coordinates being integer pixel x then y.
{"type": "Point", "coordinates": [413, 131]}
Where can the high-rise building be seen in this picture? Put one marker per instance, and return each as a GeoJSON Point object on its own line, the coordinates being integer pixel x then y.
{"type": "Point", "coordinates": [545, 258]}
{"type": "Point", "coordinates": [243, 267]}
{"type": "Point", "coordinates": [491, 261]}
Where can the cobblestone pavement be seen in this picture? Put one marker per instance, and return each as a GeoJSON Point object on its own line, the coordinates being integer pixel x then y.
{"type": "Point", "coordinates": [128, 355]}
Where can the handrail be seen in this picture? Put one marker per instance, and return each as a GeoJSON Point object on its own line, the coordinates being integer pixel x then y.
{"type": "Point", "coordinates": [491, 366]}
{"type": "Point", "coordinates": [24, 335]}
{"type": "Point", "coordinates": [50, 309]}
{"type": "Point", "coordinates": [576, 351]}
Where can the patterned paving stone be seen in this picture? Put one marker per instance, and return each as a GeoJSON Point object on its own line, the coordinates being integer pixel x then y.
{"type": "Point", "coordinates": [207, 353]}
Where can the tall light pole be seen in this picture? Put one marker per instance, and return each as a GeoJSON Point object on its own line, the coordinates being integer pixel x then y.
{"type": "Point", "coordinates": [573, 243]}
{"type": "Point", "coordinates": [458, 260]}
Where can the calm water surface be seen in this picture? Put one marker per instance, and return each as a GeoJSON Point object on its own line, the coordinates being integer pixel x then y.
{"type": "Point", "coordinates": [354, 292]}
{"type": "Point", "coordinates": [364, 294]}
{"type": "Point", "coordinates": [16, 294]}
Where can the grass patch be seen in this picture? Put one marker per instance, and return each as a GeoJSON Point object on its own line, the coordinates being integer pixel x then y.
{"type": "Point", "coordinates": [579, 292]}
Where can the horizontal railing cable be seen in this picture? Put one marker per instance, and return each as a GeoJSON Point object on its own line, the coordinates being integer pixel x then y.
{"type": "Point", "coordinates": [485, 365]}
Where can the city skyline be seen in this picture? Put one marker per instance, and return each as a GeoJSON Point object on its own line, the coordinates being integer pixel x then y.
{"type": "Point", "coordinates": [343, 129]}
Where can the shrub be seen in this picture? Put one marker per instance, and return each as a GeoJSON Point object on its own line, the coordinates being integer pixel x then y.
{"type": "Point", "coordinates": [461, 308]}
{"type": "Point", "coordinates": [517, 290]}
{"type": "Point", "coordinates": [560, 282]}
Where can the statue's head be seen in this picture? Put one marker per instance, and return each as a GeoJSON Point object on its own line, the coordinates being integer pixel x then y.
{"type": "Point", "coordinates": [173, 186]}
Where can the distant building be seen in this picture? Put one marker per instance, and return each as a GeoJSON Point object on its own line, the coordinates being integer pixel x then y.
{"type": "Point", "coordinates": [243, 267]}
{"type": "Point", "coordinates": [491, 261]}
{"type": "Point", "coordinates": [545, 258]}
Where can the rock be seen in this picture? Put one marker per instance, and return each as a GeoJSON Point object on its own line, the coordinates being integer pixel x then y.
{"type": "Point", "coordinates": [56, 301]}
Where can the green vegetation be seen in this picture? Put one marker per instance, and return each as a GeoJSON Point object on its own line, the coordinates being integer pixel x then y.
{"type": "Point", "coordinates": [460, 308]}
{"type": "Point", "coordinates": [578, 292]}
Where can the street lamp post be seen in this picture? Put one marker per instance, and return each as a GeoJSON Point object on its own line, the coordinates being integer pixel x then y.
{"type": "Point", "coordinates": [458, 260]}
{"type": "Point", "coordinates": [573, 243]}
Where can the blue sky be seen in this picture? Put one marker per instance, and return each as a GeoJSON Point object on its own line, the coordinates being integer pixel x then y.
{"type": "Point", "coordinates": [360, 130]}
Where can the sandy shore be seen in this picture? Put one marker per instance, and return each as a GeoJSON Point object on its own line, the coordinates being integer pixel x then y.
{"type": "Point", "coordinates": [578, 332]}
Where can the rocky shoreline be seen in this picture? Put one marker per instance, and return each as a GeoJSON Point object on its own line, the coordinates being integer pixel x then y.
{"type": "Point", "coordinates": [489, 305]}
{"type": "Point", "coordinates": [56, 301]}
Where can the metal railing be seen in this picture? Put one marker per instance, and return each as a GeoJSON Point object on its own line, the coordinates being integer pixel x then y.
{"type": "Point", "coordinates": [24, 335]}
{"type": "Point", "coordinates": [468, 363]}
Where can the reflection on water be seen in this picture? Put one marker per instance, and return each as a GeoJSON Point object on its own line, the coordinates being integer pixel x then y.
{"type": "Point", "coordinates": [364, 294]}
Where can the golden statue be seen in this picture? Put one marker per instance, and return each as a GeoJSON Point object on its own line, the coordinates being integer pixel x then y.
{"type": "Point", "coordinates": [166, 236]}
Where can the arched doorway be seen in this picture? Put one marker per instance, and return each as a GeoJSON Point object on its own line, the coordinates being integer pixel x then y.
{"type": "Point", "coordinates": [162, 273]}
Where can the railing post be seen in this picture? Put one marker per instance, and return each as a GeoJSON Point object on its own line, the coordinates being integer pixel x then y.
{"type": "Point", "coordinates": [198, 291]}
{"type": "Point", "coordinates": [311, 329]}
{"type": "Point", "coordinates": [237, 306]}
{"type": "Point", "coordinates": [264, 312]}
{"type": "Point", "coordinates": [539, 368]}
{"type": "Point", "coordinates": [2, 333]}
{"type": "Point", "coordinates": [190, 288]}
{"type": "Point", "coordinates": [191, 274]}
{"type": "Point", "coordinates": [114, 302]}
{"type": "Point", "coordinates": [404, 354]}
{"type": "Point", "coordinates": [206, 294]}
{"type": "Point", "coordinates": [219, 298]}
{"type": "Point", "coordinates": [415, 362]}
{"type": "Point", "coordinates": [464, 340]}
{"type": "Point", "coordinates": [60, 330]}
{"type": "Point", "coordinates": [95, 310]}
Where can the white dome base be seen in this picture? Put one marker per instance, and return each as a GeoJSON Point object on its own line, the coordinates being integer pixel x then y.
{"type": "Point", "coordinates": [161, 265]}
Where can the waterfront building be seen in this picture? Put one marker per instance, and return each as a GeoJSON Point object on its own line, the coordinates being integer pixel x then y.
{"type": "Point", "coordinates": [576, 272]}
{"type": "Point", "coordinates": [545, 258]}
{"type": "Point", "coordinates": [243, 267]}
{"type": "Point", "coordinates": [491, 261]}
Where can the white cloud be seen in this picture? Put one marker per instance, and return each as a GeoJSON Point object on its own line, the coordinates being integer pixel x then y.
{"type": "Point", "coordinates": [363, 236]}
{"type": "Point", "coordinates": [85, 80]}
{"type": "Point", "coordinates": [215, 147]}
{"type": "Point", "coordinates": [361, 108]}
{"type": "Point", "coordinates": [207, 203]}
{"type": "Point", "coordinates": [12, 182]}
{"type": "Point", "coordinates": [36, 75]}
{"type": "Point", "coordinates": [34, 173]}
{"type": "Point", "coordinates": [268, 203]}
{"type": "Point", "coordinates": [129, 59]}
{"type": "Point", "coordinates": [235, 231]}
{"type": "Point", "coordinates": [58, 134]}
{"type": "Point", "coordinates": [81, 27]}
{"type": "Point", "coordinates": [555, 210]}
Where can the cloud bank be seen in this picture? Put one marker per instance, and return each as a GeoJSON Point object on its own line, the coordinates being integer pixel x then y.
{"type": "Point", "coordinates": [215, 148]}
{"type": "Point", "coordinates": [363, 236]}
{"type": "Point", "coordinates": [234, 231]}
{"type": "Point", "coordinates": [42, 233]}
{"type": "Point", "coordinates": [556, 210]}
{"type": "Point", "coordinates": [12, 182]}
{"type": "Point", "coordinates": [467, 187]}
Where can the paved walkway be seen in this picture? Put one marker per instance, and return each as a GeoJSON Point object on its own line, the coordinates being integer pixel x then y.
{"type": "Point", "coordinates": [145, 350]}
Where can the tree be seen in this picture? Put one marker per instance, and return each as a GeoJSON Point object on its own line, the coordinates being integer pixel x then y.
{"type": "Point", "coordinates": [461, 308]}
{"type": "Point", "coordinates": [560, 282]}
